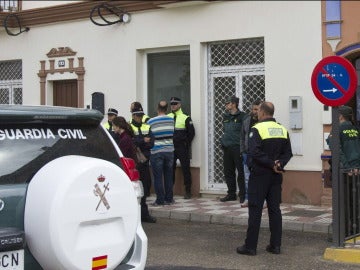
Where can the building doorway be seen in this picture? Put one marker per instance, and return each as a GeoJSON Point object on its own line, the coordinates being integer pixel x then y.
{"type": "Point", "coordinates": [65, 93]}
{"type": "Point", "coordinates": [234, 68]}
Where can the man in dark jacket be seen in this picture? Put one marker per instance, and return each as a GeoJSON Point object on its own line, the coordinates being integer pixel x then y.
{"type": "Point", "coordinates": [269, 152]}
{"type": "Point", "coordinates": [230, 142]}
{"type": "Point", "coordinates": [183, 136]}
{"type": "Point", "coordinates": [250, 120]}
{"type": "Point", "coordinates": [145, 141]}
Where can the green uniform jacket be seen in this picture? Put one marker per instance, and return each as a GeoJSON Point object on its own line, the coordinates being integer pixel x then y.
{"type": "Point", "coordinates": [349, 145]}
{"type": "Point", "coordinates": [232, 128]}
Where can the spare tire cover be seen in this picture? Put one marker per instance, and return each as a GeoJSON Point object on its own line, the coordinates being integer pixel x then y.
{"type": "Point", "coordinates": [80, 213]}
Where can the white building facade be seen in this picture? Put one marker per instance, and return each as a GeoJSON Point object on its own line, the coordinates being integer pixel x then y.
{"type": "Point", "coordinates": [201, 51]}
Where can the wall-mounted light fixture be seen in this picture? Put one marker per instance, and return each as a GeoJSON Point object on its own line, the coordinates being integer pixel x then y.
{"type": "Point", "coordinates": [11, 22]}
{"type": "Point", "coordinates": [114, 14]}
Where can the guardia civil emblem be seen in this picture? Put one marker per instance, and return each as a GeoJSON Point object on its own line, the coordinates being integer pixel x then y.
{"type": "Point", "coordinates": [100, 190]}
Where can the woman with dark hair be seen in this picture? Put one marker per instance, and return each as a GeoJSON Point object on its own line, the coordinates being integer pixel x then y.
{"type": "Point", "coordinates": [126, 144]}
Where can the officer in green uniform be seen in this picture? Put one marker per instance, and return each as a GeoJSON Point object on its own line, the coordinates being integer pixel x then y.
{"type": "Point", "coordinates": [232, 158]}
{"type": "Point", "coordinates": [349, 141]}
{"type": "Point", "coordinates": [183, 136]}
{"type": "Point", "coordinates": [349, 137]}
{"type": "Point", "coordinates": [269, 152]}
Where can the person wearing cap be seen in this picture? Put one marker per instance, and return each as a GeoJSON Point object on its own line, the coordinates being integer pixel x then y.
{"type": "Point", "coordinates": [137, 107]}
{"type": "Point", "coordinates": [230, 142]}
{"type": "Point", "coordinates": [144, 140]}
{"type": "Point", "coordinates": [111, 114]}
{"type": "Point", "coordinates": [183, 136]}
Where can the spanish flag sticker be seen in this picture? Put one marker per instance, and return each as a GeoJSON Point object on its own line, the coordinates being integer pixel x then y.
{"type": "Point", "coordinates": [99, 262]}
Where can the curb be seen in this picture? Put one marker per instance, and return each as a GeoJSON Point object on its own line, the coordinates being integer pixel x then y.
{"type": "Point", "coordinates": [345, 255]}
{"type": "Point", "coordinates": [243, 221]}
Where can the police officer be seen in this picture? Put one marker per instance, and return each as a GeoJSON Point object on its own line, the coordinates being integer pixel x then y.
{"type": "Point", "coordinates": [137, 105]}
{"type": "Point", "coordinates": [232, 158]}
{"type": "Point", "coordinates": [145, 141]}
{"type": "Point", "coordinates": [111, 114]}
{"type": "Point", "coordinates": [183, 136]}
{"type": "Point", "coordinates": [269, 152]}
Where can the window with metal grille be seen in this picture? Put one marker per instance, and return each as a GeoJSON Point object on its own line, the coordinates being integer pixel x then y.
{"type": "Point", "coordinates": [9, 5]}
{"type": "Point", "coordinates": [234, 68]}
{"type": "Point", "coordinates": [11, 82]}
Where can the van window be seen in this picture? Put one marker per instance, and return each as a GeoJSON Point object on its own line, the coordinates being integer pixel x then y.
{"type": "Point", "coordinates": [25, 149]}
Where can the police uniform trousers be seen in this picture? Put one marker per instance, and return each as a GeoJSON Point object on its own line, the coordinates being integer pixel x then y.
{"type": "Point", "coordinates": [264, 186]}
{"type": "Point", "coordinates": [233, 162]}
{"type": "Point", "coordinates": [182, 152]}
{"type": "Point", "coordinates": [145, 177]}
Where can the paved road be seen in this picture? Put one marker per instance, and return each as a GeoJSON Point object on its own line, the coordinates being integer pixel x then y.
{"type": "Point", "coordinates": [182, 245]}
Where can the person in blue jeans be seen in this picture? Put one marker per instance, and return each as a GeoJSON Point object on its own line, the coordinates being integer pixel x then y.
{"type": "Point", "coordinates": [250, 120]}
{"type": "Point", "coordinates": [162, 155]}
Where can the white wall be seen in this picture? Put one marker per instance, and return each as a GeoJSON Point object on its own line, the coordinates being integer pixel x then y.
{"type": "Point", "coordinates": [40, 4]}
{"type": "Point", "coordinates": [114, 57]}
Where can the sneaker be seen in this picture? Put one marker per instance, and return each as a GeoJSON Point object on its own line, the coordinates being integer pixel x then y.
{"type": "Point", "coordinates": [157, 204]}
{"type": "Point", "coordinates": [228, 198]}
{"type": "Point", "coordinates": [187, 196]}
{"type": "Point", "coordinates": [245, 204]}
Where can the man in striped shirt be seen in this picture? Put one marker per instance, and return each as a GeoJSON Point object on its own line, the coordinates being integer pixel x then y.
{"type": "Point", "coordinates": [162, 155]}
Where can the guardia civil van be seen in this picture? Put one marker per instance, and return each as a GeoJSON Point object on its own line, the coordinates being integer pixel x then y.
{"type": "Point", "coordinates": [68, 197]}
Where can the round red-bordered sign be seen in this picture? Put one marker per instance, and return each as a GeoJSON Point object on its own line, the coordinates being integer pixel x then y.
{"type": "Point", "coordinates": [334, 81]}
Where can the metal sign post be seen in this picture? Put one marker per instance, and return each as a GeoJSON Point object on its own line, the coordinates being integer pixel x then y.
{"type": "Point", "coordinates": [334, 82]}
{"type": "Point", "coordinates": [335, 153]}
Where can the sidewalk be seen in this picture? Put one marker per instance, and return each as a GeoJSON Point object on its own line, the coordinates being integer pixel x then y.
{"type": "Point", "coordinates": [306, 218]}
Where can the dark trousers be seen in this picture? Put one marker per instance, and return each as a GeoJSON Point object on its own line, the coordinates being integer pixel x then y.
{"type": "Point", "coordinates": [145, 177]}
{"type": "Point", "coordinates": [233, 162]}
{"type": "Point", "coordinates": [182, 152]}
{"type": "Point", "coordinates": [261, 187]}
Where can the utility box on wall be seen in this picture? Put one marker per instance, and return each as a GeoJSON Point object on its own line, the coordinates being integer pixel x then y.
{"type": "Point", "coordinates": [97, 101]}
{"type": "Point", "coordinates": [295, 110]}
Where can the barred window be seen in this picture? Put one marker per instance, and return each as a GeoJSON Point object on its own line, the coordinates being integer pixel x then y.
{"type": "Point", "coordinates": [11, 82]}
{"type": "Point", "coordinates": [9, 5]}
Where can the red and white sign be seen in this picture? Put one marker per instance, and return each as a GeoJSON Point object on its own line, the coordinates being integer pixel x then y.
{"type": "Point", "coordinates": [334, 81]}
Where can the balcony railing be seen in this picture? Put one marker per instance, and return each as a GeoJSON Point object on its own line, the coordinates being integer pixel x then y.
{"type": "Point", "coordinates": [9, 5]}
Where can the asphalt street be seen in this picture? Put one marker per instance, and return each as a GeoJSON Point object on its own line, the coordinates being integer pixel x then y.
{"type": "Point", "coordinates": [183, 245]}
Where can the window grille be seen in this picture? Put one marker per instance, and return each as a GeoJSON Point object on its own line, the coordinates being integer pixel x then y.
{"type": "Point", "coordinates": [9, 5]}
{"type": "Point", "coordinates": [234, 68]}
{"type": "Point", "coordinates": [11, 82]}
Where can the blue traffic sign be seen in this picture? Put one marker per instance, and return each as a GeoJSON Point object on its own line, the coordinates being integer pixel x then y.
{"type": "Point", "coordinates": [334, 81]}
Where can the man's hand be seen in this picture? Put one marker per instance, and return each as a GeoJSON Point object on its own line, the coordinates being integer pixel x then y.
{"type": "Point", "coordinates": [277, 167]}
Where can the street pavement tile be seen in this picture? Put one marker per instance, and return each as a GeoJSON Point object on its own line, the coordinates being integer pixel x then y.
{"type": "Point", "coordinates": [217, 212]}
{"type": "Point", "coordinates": [185, 209]}
{"type": "Point", "coordinates": [302, 214]}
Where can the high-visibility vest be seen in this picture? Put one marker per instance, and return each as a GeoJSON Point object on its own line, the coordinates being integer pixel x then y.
{"type": "Point", "coordinates": [144, 129]}
{"type": "Point", "coordinates": [271, 130]}
{"type": "Point", "coordinates": [107, 126]}
{"type": "Point", "coordinates": [179, 120]}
